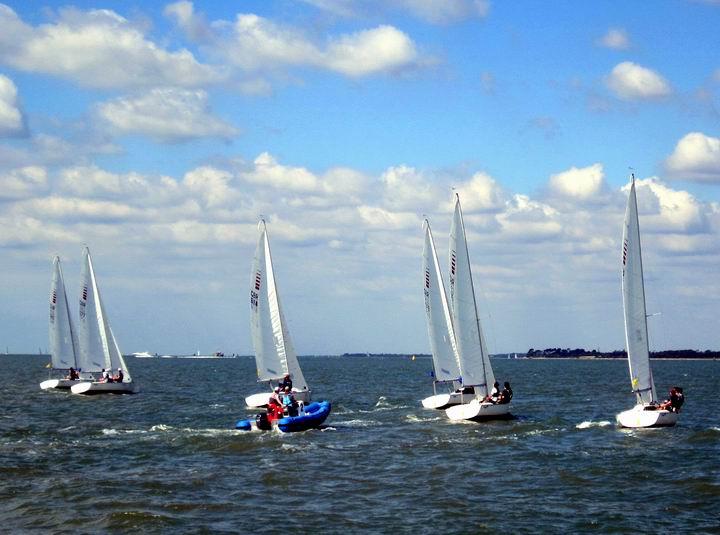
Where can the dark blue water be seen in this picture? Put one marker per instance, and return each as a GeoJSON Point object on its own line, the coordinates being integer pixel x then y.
{"type": "Point", "coordinates": [168, 458]}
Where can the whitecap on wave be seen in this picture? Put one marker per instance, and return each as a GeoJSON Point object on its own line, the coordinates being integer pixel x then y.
{"type": "Point", "coordinates": [588, 424]}
{"type": "Point", "coordinates": [417, 419]}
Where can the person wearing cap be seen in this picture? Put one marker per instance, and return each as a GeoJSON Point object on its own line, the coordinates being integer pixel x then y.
{"type": "Point", "coordinates": [104, 377]}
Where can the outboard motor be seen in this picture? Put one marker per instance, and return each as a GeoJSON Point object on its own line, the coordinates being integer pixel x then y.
{"type": "Point", "coordinates": [262, 422]}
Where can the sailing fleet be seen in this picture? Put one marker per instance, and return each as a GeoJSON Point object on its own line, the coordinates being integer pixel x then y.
{"type": "Point", "coordinates": [461, 361]}
{"type": "Point", "coordinates": [91, 351]}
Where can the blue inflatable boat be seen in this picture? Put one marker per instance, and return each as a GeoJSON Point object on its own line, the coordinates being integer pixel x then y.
{"type": "Point", "coordinates": [313, 415]}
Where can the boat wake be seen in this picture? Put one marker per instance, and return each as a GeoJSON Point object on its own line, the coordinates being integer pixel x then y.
{"type": "Point", "coordinates": [589, 424]}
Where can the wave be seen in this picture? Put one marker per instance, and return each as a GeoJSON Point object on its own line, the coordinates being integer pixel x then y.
{"type": "Point", "coordinates": [357, 423]}
{"type": "Point", "coordinates": [416, 419]}
{"type": "Point", "coordinates": [588, 424]}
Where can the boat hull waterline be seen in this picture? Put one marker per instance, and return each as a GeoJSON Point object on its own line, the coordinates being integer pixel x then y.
{"type": "Point", "coordinates": [478, 411]}
{"type": "Point", "coordinates": [92, 388]}
{"type": "Point", "coordinates": [640, 417]}
{"type": "Point", "coordinates": [313, 416]}
{"type": "Point", "coordinates": [260, 400]}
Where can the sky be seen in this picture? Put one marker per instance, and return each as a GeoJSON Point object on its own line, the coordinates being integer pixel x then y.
{"type": "Point", "coordinates": [158, 133]}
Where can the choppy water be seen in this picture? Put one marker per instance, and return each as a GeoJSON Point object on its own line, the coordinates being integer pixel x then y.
{"type": "Point", "coordinates": [168, 458]}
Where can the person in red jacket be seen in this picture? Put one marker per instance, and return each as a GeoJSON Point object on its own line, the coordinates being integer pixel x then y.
{"type": "Point", "coordinates": [274, 410]}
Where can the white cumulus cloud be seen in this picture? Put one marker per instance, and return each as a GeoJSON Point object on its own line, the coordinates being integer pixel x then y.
{"type": "Point", "coordinates": [97, 48]}
{"type": "Point", "coordinates": [23, 182]}
{"type": "Point", "coordinates": [166, 115]}
{"type": "Point", "coordinates": [260, 44]}
{"type": "Point", "coordinates": [11, 118]}
{"type": "Point", "coordinates": [578, 183]}
{"type": "Point", "coordinates": [696, 157]}
{"type": "Point", "coordinates": [630, 81]}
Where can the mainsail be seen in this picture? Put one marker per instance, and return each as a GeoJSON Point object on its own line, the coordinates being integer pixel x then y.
{"type": "Point", "coordinates": [439, 321]}
{"type": "Point", "coordinates": [98, 348]}
{"type": "Point", "coordinates": [63, 345]}
{"type": "Point", "coordinates": [636, 332]}
{"type": "Point", "coordinates": [475, 368]}
{"type": "Point", "coordinates": [274, 352]}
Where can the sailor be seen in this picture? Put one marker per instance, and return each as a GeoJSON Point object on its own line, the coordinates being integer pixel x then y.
{"type": "Point", "coordinates": [105, 377]}
{"type": "Point", "coordinates": [286, 382]}
{"type": "Point", "coordinates": [289, 403]}
{"type": "Point", "coordinates": [675, 401]}
{"type": "Point", "coordinates": [73, 374]}
{"type": "Point", "coordinates": [119, 377]}
{"type": "Point", "coordinates": [506, 394]}
{"type": "Point", "coordinates": [274, 409]}
{"type": "Point", "coordinates": [494, 393]}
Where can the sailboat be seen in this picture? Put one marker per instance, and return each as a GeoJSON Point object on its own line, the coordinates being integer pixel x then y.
{"type": "Point", "coordinates": [63, 342]}
{"type": "Point", "coordinates": [98, 349]}
{"type": "Point", "coordinates": [446, 365]}
{"type": "Point", "coordinates": [475, 369]}
{"type": "Point", "coordinates": [275, 355]}
{"type": "Point", "coordinates": [646, 412]}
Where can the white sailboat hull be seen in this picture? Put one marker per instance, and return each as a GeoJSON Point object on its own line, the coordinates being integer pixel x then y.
{"type": "Point", "coordinates": [477, 410]}
{"type": "Point", "coordinates": [443, 401]}
{"type": "Point", "coordinates": [62, 384]}
{"type": "Point", "coordinates": [90, 388]}
{"type": "Point", "coordinates": [638, 417]}
{"type": "Point", "coordinates": [256, 401]}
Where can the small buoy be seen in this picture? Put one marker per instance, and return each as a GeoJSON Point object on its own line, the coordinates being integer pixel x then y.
{"type": "Point", "coordinates": [413, 357]}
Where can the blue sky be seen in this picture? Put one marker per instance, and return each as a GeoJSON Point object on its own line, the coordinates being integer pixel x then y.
{"type": "Point", "coordinates": [158, 132]}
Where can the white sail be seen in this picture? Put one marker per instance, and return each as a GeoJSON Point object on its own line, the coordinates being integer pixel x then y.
{"type": "Point", "coordinates": [475, 368]}
{"type": "Point", "coordinates": [274, 352]}
{"type": "Point", "coordinates": [636, 333]}
{"type": "Point", "coordinates": [439, 321]}
{"type": "Point", "coordinates": [98, 348]}
{"type": "Point", "coordinates": [63, 344]}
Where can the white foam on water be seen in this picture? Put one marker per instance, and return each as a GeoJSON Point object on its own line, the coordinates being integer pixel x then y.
{"type": "Point", "coordinates": [358, 423]}
{"type": "Point", "coordinates": [161, 427]}
{"type": "Point", "coordinates": [417, 419]}
{"type": "Point", "coordinates": [123, 431]}
{"type": "Point", "coordinates": [589, 424]}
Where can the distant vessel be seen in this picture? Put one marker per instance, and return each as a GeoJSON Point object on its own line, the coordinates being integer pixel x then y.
{"type": "Point", "coordinates": [98, 349]}
{"type": "Point", "coordinates": [198, 355]}
{"type": "Point", "coordinates": [63, 342]}
{"type": "Point", "coordinates": [274, 353]}
{"type": "Point", "coordinates": [646, 412]}
{"type": "Point", "coordinates": [475, 368]}
{"type": "Point", "coordinates": [143, 355]}
{"type": "Point", "coordinates": [446, 364]}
